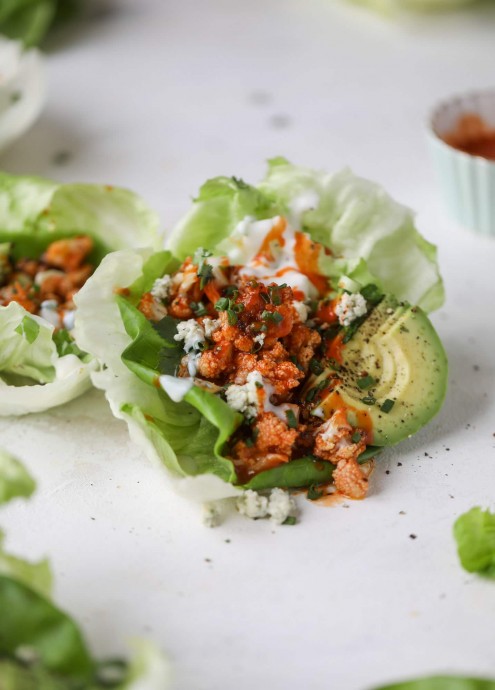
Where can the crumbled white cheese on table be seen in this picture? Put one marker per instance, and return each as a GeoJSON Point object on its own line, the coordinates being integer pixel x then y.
{"type": "Point", "coordinates": [279, 505]}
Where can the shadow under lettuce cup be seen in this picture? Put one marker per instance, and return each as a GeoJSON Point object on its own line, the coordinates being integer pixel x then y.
{"type": "Point", "coordinates": [462, 141]}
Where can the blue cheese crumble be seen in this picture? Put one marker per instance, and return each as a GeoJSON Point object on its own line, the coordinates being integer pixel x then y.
{"type": "Point", "coordinates": [278, 506]}
{"type": "Point", "coordinates": [350, 307]}
{"type": "Point", "coordinates": [192, 333]}
{"type": "Point", "coordinates": [244, 398]}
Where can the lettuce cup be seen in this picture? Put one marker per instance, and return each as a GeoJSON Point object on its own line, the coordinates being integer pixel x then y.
{"type": "Point", "coordinates": [273, 345]}
{"type": "Point", "coordinates": [52, 237]}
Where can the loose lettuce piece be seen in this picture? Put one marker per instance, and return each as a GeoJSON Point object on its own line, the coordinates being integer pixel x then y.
{"type": "Point", "coordinates": [41, 647]}
{"type": "Point", "coordinates": [391, 7]}
{"type": "Point", "coordinates": [297, 474]}
{"type": "Point", "coordinates": [474, 533]}
{"type": "Point", "coordinates": [38, 371]}
{"type": "Point", "coordinates": [358, 220]}
{"type": "Point", "coordinates": [15, 481]}
{"type": "Point", "coordinates": [442, 683]}
{"type": "Point", "coordinates": [30, 20]}
{"type": "Point", "coordinates": [22, 88]}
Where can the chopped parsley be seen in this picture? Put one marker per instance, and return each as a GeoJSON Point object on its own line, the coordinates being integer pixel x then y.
{"type": "Point", "coordinates": [198, 308]}
{"type": "Point", "coordinates": [290, 520]}
{"type": "Point", "coordinates": [291, 419]}
{"type": "Point", "coordinates": [356, 437]}
{"type": "Point", "coordinates": [366, 382]}
{"type": "Point", "coordinates": [274, 316]}
{"type": "Point", "coordinates": [316, 366]}
{"type": "Point", "coordinates": [314, 493]}
{"type": "Point", "coordinates": [387, 405]}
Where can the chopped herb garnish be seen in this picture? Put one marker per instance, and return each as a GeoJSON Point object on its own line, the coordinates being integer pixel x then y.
{"type": "Point", "coordinates": [205, 272]}
{"type": "Point", "coordinates": [166, 328]}
{"type": "Point", "coordinates": [231, 317]}
{"type": "Point", "coordinates": [258, 384]}
{"type": "Point", "coordinates": [365, 382]}
{"type": "Point", "coordinates": [316, 366]}
{"type": "Point", "coordinates": [387, 405]}
{"type": "Point", "coordinates": [334, 364]}
{"type": "Point", "coordinates": [231, 291]}
{"type": "Point", "coordinates": [263, 328]}
{"type": "Point", "coordinates": [368, 400]}
{"type": "Point", "coordinates": [274, 316]}
{"type": "Point", "coordinates": [295, 361]}
{"type": "Point", "coordinates": [199, 256]}
{"type": "Point", "coordinates": [291, 419]}
{"type": "Point", "coordinates": [311, 394]}
{"type": "Point", "coordinates": [314, 493]}
{"type": "Point", "coordinates": [275, 296]}
{"type": "Point", "coordinates": [222, 304]}
{"type": "Point", "coordinates": [198, 308]}
{"type": "Point", "coordinates": [356, 437]}
{"type": "Point", "coordinates": [372, 293]}
{"type": "Point", "coordinates": [265, 297]}
{"type": "Point", "coordinates": [290, 520]}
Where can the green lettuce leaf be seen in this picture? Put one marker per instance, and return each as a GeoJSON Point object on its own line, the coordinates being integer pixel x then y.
{"type": "Point", "coordinates": [442, 683]}
{"type": "Point", "coordinates": [474, 533]}
{"type": "Point", "coordinates": [221, 204]}
{"type": "Point", "coordinates": [30, 20]}
{"type": "Point", "coordinates": [359, 221]}
{"type": "Point", "coordinates": [33, 213]}
{"type": "Point", "coordinates": [15, 481]}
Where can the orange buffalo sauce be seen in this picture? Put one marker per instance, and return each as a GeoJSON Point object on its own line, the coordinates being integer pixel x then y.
{"type": "Point", "coordinates": [334, 401]}
{"type": "Point", "coordinates": [276, 234]}
{"type": "Point", "coordinates": [307, 253]}
{"type": "Point", "coordinates": [335, 347]}
{"type": "Point", "coordinates": [474, 136]}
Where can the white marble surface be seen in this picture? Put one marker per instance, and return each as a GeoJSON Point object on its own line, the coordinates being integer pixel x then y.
{"type": "Point", "coordinates": [158, 96]}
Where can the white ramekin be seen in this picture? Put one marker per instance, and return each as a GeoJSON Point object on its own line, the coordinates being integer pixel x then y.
{"type": "Point", "coordinates": [467, 182]}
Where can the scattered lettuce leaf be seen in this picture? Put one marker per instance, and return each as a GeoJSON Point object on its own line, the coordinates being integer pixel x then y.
{"type": "Point", "coordinates": [474, 533]}
{"type": "Point", "coordinates": [30, 20]}
{"type": "Point", "coordinates": [442, 683]}
{"type": "Point", "coordinates": [15, 480]}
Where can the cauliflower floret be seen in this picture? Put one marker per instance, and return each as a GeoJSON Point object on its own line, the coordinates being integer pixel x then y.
{"type": "Point", "coordinates": [350, 307]}
{"type": "Point", "coordinates": [192, 333]}
{"type": "Point", "coordinates": [280, 506]}
{"type": "Point", "coordinates": [245, 398]}
{"type": "Point", "coordinates": [162, 287]}
{"type": "Point", "coordinates": [252, 505]}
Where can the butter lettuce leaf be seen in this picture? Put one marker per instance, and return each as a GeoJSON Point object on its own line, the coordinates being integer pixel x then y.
{"type": "Point", "coordinates": [442, 683]}
{"type": "Point", "coordinates": [474, 533]}
{"type": "Point", "coordinates": [15, 480]}
{"type": "Point", "coordinates": [34, 212]}
{"type": "Point", "coordinates": [372, 237]}
{"type": "Point", "coordinates": [359, 221]}
{"type": "Point", "coordinates": [221, 204]}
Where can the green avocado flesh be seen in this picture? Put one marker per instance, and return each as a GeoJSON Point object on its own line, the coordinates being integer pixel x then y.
{"type": "Point", "coordinates": [394, 361]}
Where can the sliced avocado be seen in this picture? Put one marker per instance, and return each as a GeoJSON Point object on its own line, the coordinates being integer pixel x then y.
{"type": "Point", "coordinates": [393, 374]}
